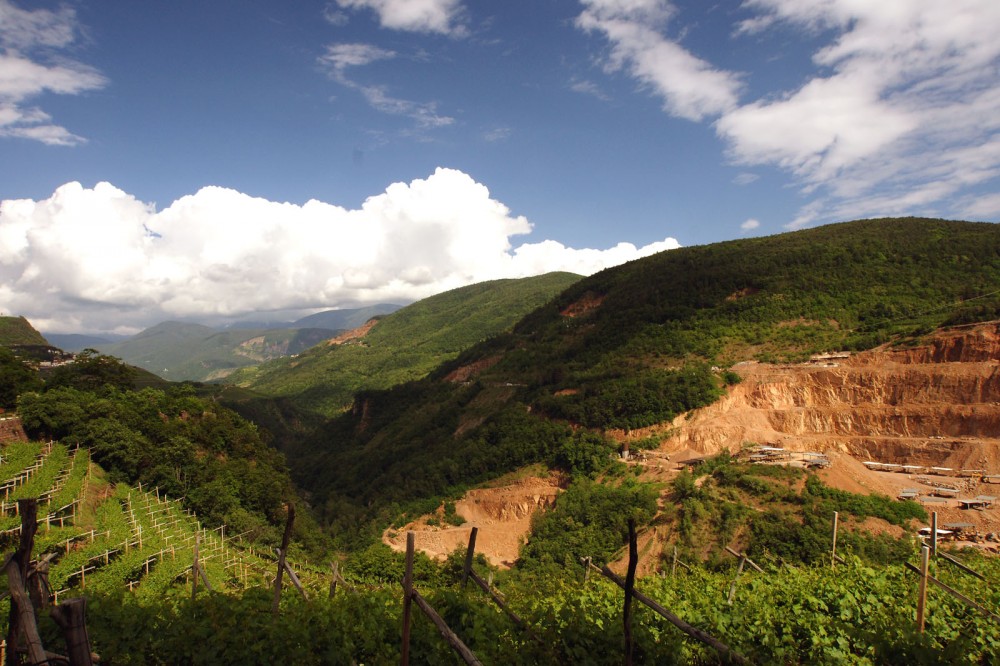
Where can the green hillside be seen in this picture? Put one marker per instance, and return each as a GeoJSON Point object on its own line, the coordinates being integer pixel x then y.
{"type": "Point", "coordinates": [181, 351]}
{"type": "Point", "coordinates": [404, 345]}
{"type": "Point", "coordinates": [628, 347]}
{"type": "Point", "coordinates": [635, 345]}
{"type": "Point", "coordinates": [18, 331]}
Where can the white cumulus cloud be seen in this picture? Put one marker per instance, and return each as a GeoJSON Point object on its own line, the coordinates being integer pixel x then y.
{"type": "Point", "coordinates": [690, 87]}
{"type": "Point", "coordinates": [434, 16]}
{"type": "Point", "coordinates": [750, 225]}
{"type": "Point", "coordinates": [98, 259]}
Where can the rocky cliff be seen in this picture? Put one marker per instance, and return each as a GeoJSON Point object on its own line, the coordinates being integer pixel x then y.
{"type": "Point", "coordinates": [936, 403]}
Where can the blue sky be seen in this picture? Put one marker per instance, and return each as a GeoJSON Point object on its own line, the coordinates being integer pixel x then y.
{"type": "Point", "coordinates": [159, 158]}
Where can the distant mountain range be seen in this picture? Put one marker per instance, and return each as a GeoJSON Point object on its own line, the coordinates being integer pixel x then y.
{"type": "Point", "coordinates": [181, 351]}
{"type": "Point", "coordinates": [402, 346]}
{"type": "Point", "coordinates": [74, 342]}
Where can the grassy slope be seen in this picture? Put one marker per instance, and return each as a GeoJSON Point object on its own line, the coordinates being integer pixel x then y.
{"type": "Point", "coordinates": [405, 345]}
{"type": "Point", "coordinates": [848, 285]}
{"type": "Point", "coordinates": [18, 331]}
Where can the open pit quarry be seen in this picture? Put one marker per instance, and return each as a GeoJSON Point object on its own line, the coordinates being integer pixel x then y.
{"type": "Point", "coordinates": [935, 404]}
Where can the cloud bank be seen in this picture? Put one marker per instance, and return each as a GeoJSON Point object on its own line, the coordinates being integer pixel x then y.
{"type": "Point", "coordinates": [98, 259]}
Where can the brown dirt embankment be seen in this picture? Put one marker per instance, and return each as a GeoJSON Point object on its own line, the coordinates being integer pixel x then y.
{"type": "Point", "coordinates": [502, 514]}
{"type": "Point", "coordinates": [11, 429]}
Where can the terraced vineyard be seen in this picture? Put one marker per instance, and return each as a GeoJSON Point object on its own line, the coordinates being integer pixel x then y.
{"type": "Point", "coordinates": [103, 537]}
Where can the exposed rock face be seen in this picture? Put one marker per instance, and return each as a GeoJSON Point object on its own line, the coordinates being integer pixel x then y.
{"type": "Point", "coordinates": [933, 402]}
{"type": "Point", "coordinates": [354, 333]}
{"type": "Point", "coordinates": [502, 514]}
{"type": "Point", "coordinates": [11, 430]}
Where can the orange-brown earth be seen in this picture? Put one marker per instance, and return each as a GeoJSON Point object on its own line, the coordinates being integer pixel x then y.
{"type": "Point", "coordinates": [502, 514]}
{"type": "Point", "coordinates": [354, 333]}
{"type": "Point", "coordinates": [934, 404]}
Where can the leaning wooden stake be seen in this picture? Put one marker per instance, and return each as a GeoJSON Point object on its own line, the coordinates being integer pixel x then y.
{"type": "Point", "coordinates": [293, 577]}
{"type": "Point", "coordinates": [922, 592]}
{"type": "Point", "coordinates": [833, 550]}
{"type": "Point", "coordinates": [194, 568]}
{"type": "Point", "coordinates": [633, 561]}
{"type": "Point", "coordinates": [407, 600]}
{"type": "Point", "coordinates": [934, 533]}
{"type": "Point", "coordinates": [752, 564]}
{"type": "Point", "coordinates": [951, 560]}
{"type": "Point", "coordinates": [281, 558]}
{"type": "Point", "coordinates": [694, 632]}
{"type": "Point", "coordinates": [22, 614]}
{"type": "Point", "coordinates": [487, 587]}
{"type": "Point", "coordinates": [470, 553]}
{"type": "Point", "coordinates": [456, 643]}
{"type": "Point", "coordinates": [955, 593]}
{"type": "Point", "coordinates": [736, 578]}
{"type": "Point", "coordinates": [71, 618]}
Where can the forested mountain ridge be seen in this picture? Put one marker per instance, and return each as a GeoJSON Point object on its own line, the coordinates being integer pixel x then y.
{"type": "Point", "coordinates": [636, 345]}
{"type": "Point", "coordinates": [402, 346]}
{"type": "Point", "coordinates": [19, 331]}
{"type": "Point", "coordinates": [182, 351]}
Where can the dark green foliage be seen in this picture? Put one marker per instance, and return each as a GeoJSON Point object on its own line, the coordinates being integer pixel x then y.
{"type": "Point", "coordinates": [806, 537]}
{"type": "Point", "coordinates": [15, 378]}
{"type": "Point", "coordinates": [828, 500]}
{"type": "Point", "coordinates": [585, 453]}
{"type": "Point", "coordinates": [764, 502]}
{"type": "Point", "coordinates": [589, 520]}
{"type": "Point", "coordinates": [636, 400]}
{"type": "Point", "coordinates": [92, 371]}
{"type": "Point", "coordinates": [856, 614]}
{"type": "Point", "coordinates": [382, 565]}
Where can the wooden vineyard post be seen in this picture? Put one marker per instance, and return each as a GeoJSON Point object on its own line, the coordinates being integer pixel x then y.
{"type": "Point", "coordinates": [487, 587]}
{"type": "Point", "coordinates": [71, 617]}
{"type": "Point", "coordinates": [281, 558]}
{"type": "Point", "coordinates": [294, 578]}
{"type": "Point", "coordinates": [736, 578]}
{"type": "Point", "coordinates": [934, 533]}
{"type": "Point", "coordinates": [470, 553]}
{"type": "Point", "coordinates": [673, 567]}
{"type": "Point", "coordinates": [453, 640]}
{"type": "Point", "coordinates": [833, 550]}
{"type": "Point", "coordinates": [633, 561]}
{"type": "Point", "coordinates": [334, 566]}
{"type": "Point", "coordinates": [22, 614]}
{"type": "Point", "coordinates": [922, 590]}
{"type": "Point", "coordinates": [410, 597]}
{"type": "Point", "coordinates": [194, 568]}
{"type": "Point", "coordinates": [693, 632]}
{"type": "Point", "coordinates": [407, 600]}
